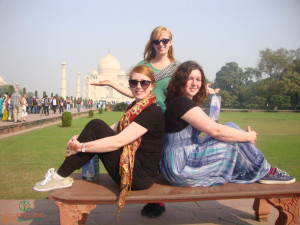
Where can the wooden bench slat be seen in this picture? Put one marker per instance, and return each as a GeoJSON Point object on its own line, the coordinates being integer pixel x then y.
{"type": "Point", "coordinates": [106, 191]}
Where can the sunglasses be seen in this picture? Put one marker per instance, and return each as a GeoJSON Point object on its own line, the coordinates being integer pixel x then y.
{"type": "Point", "coordinates": [164, 41]}
{"type": "Point", "coordinates": [144, 83]}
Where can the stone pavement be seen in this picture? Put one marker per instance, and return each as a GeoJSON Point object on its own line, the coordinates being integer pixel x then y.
{"type": "Point", "coordinates": [227, 212]}
{"type": "Point", "coordinates": [35, 121]}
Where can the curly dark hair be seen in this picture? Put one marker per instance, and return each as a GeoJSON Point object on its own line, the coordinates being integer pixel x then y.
{"type": "Point", "coordinates": [177, 84]}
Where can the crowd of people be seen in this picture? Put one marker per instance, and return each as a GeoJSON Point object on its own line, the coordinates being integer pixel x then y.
{"type": "Point", "coordinates": [16, 108]}
{"type": "Point", "coordinates": [161, 130]}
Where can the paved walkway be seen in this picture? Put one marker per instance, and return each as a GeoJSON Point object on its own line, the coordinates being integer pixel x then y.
{"type": "Point", "coordinates": [36, 119]}
{"type": "Point", "coordinates": [227, 212]}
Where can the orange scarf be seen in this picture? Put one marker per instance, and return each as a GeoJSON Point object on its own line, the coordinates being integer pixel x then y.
{"type": "Point", "coordinates": [127, 156]}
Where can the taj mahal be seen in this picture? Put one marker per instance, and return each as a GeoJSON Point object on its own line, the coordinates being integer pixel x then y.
{"type": "Point", "coordinates": [108, 69]}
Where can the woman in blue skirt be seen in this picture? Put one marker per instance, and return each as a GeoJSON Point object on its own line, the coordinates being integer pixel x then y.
{"type": "Point", "coordinates": [225, 154]}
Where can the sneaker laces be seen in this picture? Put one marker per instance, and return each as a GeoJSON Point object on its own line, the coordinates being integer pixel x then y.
{"type": "Point", "coordinates": [281, 172]}
{"type": "Point", "coordinates": [48, 176]}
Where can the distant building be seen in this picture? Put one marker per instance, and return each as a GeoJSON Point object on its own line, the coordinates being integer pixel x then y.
{"type": "Point", "coordinates": [108, 69]}
{"type": "Point", "coordinates": [2, 82]}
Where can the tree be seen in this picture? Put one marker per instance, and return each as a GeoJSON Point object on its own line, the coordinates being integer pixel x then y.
{"type": "Point", "coordinates": [280, 102]}
{"type": "Point", "coordinates": [261, 102]}
{"type": "Point", "coordinates": [44, 94]}
{"type": "Point", "coordinates": [11, 89]}
{"type": "Point", "coordinates": [24, 91]}
{"type": "Point", "coordinates": [249, 74]}
{"type": "Point", "coordinates": [122, 106]}
{"type": "Point", "coordinates": [273, 63]}
{"type": "Point", "coordinates": [36, 93]}
{"type": "Point", "coordinates": [291, 83]}
{"type": "Point", "coordinates": [295, 54]}
{"type": "Point", "coordinates": [229, 78]}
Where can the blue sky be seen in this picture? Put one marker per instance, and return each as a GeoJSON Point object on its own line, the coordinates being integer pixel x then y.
{"type": "Point", "coordinates": [37, 35]}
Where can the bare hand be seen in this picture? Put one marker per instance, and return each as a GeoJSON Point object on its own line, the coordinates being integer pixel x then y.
{"type": "Point", "coordinates": [252, 135]}
{"type": "Point", "coordinates": [73, 146]}
{"type": "Point", "coordinates": [102, 83]}
{"type": "Point", "coordinates": [210, 90]}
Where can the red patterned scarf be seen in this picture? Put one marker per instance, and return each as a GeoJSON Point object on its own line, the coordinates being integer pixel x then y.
{"type": "Point", "coordinates": [127, 156]}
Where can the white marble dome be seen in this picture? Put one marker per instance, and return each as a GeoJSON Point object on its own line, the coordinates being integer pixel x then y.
{"type": "Point", "coordinates": [2, 81]}
{"type": "Point", "coordinates": [108, 64]}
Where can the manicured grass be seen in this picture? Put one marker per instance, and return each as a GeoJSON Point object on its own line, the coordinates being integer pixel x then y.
{"type": "Point", "coordinates": [278, 136]}
{"type": "Point", "coordinates": [24, 159]}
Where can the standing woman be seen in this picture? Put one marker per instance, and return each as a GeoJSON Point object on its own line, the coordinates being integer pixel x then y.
{"type": "Point", "coordinates": [158, 55]}
{"type": "Point", "coordinates": [1, 107]}
{"type": "Point", "coordinates": [54, 104]}
{"type": "Point", "coordinates": [5, 107]}
{"type": "Point", "coordinates": [225, 154]}
{"type": "Point", "coordinates": [137, 138]}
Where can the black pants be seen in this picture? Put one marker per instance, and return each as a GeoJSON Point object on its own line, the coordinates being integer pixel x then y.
{"type": "Point", "coordinates": [97, 129]}
{"type": "Point", "coordinates": [46, 110]}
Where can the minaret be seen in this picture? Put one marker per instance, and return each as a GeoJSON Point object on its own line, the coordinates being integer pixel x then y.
{"type": "Point", "coordinates": [63, 80]}
{"type": "Point", "coordinates": [78, 86]}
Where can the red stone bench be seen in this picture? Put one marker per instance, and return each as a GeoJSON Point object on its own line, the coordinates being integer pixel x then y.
{"type": "Point", "coordinates": [76, 203]}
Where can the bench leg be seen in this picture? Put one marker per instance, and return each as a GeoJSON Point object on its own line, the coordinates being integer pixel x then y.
{"type": "Point", "coordinates": [288, 210]}
{"type": "Point", "coordinates": [73, 214]}
{"type": "Point", "coordinates": [262, 209]}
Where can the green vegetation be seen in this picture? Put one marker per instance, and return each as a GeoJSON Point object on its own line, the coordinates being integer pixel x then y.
{"type": "Point", "coordinates": [24, 159]}
{"type": "Point", "coordinates": [273, 84]}
{"type": "Point", "coordinates": [91, 113]}
{"type": "Point", "coordinates": [66, 119]}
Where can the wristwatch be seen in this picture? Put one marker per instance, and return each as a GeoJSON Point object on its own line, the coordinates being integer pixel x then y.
{"type": "Point", "coordinates": [83, 148]}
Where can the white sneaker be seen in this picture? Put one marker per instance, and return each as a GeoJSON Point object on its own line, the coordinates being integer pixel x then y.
{"type": "Point", "coordinates": [50, 183]}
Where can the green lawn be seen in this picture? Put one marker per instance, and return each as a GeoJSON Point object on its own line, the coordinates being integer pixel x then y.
{"type": "Point", "coordinates": [24, 159]}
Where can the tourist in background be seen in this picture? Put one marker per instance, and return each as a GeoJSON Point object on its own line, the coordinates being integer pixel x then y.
{"type": "Point", "coordinates": [34, 105]}
{"type": "Point", "coordinates": [69, 102]}
{"type": "Point", "coordinates": [1, 106]}
{"type": "Point", "coordinates": [10, 109]}
{"type": "Point", "coordinates": [16, 105]}
{"type": "Point", "coordinates": [24, 108]}
{"type": "Point", "coordinates": [54, 104]}
{"type": "Point", "coordinates": [46, 104]}
{"type": "Point", "coordinates": [61, 105]}
{"type": "Point", "coordinates": [39, 104]}
{"type": "Point", "coordinates": [78, 104]}
{"type": "Point", "coordinates": [5, 107]}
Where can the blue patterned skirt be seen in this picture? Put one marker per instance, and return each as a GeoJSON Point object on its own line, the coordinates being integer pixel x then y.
{"type": "Point", "coordinates": [191, 161]}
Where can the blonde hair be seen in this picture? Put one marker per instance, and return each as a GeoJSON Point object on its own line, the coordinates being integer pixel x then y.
{"type": "Point", "coordinates": [149, 52]}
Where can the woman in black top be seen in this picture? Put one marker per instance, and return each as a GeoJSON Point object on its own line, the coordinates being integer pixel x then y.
{"type": "Point", "coordinates": [225, 154]}
{"type": "Point", "coordinates": [137, 138]}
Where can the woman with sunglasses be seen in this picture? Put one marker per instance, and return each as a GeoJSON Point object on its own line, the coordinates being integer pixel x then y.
{"type": "Point", "coordinates": [158, 55]}
{"type": "Point", "coordinates": [225, 154]}
{"type": "Point", "coordinates": [134, 151]}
